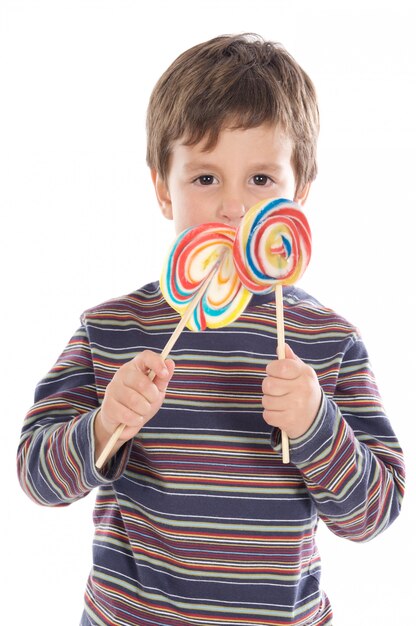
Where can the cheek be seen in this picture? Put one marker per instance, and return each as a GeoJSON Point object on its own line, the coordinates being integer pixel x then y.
{"type": "Point", "coordinates": [288, 187]}
{"type": "Point", "coordinates": [185, 214]}
{"type": "Point", "coordinates": [191, 210]}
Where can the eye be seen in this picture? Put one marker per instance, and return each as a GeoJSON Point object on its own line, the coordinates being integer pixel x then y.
{"type": "Point", "coordinates": [261, 179]}
{"type": "Point", "coordinates": [206, 179]}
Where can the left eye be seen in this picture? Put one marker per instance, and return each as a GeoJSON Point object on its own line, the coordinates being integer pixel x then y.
{"type": "Point", "coordinates": [260, 179]}
{"type": "Point", "coordinates": [206, 179]}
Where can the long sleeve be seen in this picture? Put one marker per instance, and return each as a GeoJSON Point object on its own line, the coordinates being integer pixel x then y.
{"type": "Point", "coordinates": [56, 451]}
{"type": "Point", "coordinates": [199, 508]}
{"type": "Point", "coordinates": [350, 458]}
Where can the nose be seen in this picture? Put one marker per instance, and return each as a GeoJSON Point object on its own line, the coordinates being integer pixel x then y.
{"type": "Point", "coordinates": [232, 210]}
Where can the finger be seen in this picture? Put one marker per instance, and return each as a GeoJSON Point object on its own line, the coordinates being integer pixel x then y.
{"type": "Point", "coordinates": [148, 361]}
{"type": "Point", "coordinates": [114, 412]}
{"type": "Point", "coordinates": [138, 402]}
{"type": "Point", "coordinates": [287, 369]}
{"type": "Point", "coordinates": [276, 418]}
{"type": "Point", "coordinates": [162, 383]}
{"type": "Point", "coordinates": [134, 383]}
{"type": "Point", "coordinates": [130, 418]}
{"type": "Point", "coordinates": [148, 383]}
{"type": "Point", "coordinates": [276, 387]}
{"type": "Point", "coordinates": [276, 404]}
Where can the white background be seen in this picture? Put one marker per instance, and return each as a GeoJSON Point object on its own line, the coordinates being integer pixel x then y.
{"type": "Point", "coordinates": [79, 224]}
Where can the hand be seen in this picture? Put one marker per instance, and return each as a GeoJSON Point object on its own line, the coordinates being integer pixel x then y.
{"type": "Point", "coordinates": [292, 394]}
{"type": "Point", "coordinates": [131, 398]}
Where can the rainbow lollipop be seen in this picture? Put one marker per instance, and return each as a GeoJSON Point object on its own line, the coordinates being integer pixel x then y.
{"type": "Point", "coordinates": [272, 248]}
{"type": "Point", "coordinates": [204, 253]}
{"type": "Point", "coordinates": [272, 245]}
{"type": "Point", "coordinates": [199, 280]}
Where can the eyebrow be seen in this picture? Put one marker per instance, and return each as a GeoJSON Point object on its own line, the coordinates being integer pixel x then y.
{"type": "Point", "coordinates": [270, 167]}
{"type": "Point", "coordinates": [193, 167]}
{"type": "Point", "coordinates": [259, 167]}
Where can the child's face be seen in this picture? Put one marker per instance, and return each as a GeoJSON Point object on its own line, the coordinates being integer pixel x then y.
{"type": "Point", "coordinates": [244, 167]}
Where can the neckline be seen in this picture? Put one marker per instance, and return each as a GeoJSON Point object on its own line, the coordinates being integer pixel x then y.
{"type": "Point", "coordinates": [263, 298]}
{"type": "Point", "coordinates": [257, 298]}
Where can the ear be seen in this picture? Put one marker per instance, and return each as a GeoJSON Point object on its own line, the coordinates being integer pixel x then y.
{"type": "Point", "coordinates": [302, 195]}
{"type": "Point", "coordinates": [162, 194]}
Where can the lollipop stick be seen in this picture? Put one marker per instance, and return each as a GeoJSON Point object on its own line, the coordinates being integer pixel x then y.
{"type": "Point", "coordinates": [165, 352]}
{"type": "Point", "coordinates": [280, 323]}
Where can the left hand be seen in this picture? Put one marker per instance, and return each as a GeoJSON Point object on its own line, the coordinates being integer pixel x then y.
{"type": "Point", "coordinates": [292, 394]}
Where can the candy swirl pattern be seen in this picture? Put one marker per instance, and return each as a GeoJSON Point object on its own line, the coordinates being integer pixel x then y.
{"type": "Point", "coordinates": [272, 245]}
{"type": "Point", "coordinates": [204, 252]}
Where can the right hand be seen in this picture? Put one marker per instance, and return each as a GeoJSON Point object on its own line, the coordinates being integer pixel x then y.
{"type": "Point", "coordinates": [131, 398]}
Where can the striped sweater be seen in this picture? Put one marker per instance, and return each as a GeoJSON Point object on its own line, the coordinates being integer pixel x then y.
{"type": "Point", "coordinates": [197, 520]}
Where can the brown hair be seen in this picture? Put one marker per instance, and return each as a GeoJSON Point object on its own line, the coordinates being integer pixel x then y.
{"type": "Point", "coordinates": [235, 82]}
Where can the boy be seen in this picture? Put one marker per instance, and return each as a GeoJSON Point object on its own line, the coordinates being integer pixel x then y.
{"type": "Point", "coordinates": [197, 519]}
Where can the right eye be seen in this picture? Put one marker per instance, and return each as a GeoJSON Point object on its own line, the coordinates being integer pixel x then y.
{"type": "Point", "coordinates": [206, 179]}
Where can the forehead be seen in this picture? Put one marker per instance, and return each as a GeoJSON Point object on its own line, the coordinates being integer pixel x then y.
{"type": "Point", "coordinates": [267, 143]}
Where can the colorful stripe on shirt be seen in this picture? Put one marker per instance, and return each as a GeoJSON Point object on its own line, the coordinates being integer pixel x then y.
{"type": "Point", "coordinates": [197, 520]}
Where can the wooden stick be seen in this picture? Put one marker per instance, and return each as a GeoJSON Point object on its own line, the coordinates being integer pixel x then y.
{"type": "Point", "coordinates": [165, 352]}
{"type": "Point", "coordinates": [280, 323]}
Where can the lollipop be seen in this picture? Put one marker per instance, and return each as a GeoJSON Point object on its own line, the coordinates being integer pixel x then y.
{"type": "Point", "coordinates": [199, 281]}
{"type": "Point", "coordinates": [272, 248]}
{"type": "Point", "coordinates": [204, 253]}
{"type": "Point", "coordinates": [272, 245]}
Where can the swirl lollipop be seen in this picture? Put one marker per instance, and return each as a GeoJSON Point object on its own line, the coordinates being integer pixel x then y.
{"type": "Point", "coordinates": [272, 245]}
{"type": "Point", "coordinates": [272, 248]}
{"type": "Point", "coordinates": [203, 256]}
{"type": "Point", "coordinates": [199, 280]}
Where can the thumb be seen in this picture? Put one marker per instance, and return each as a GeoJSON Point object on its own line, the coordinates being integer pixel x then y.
{"type": "Point", "coordinates": [289, 354]}
{"type": "Point", "coordinates": [162, 382]}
